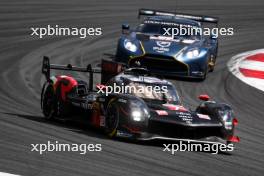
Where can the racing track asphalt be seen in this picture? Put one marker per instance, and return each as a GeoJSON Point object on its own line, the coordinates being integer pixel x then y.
{"type": "Point", "coordinates": [21, 121]}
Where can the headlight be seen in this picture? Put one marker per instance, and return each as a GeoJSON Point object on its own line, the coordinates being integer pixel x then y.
{"type": "Point", "coordinates": [130, 46]}
{"type": "Point", "coordinates": [137, 116]}
{"type": "Point", "coordinates": [139, 111]}
{"type": "Point", "coordinates": [193, 53]}
{"type": "Point", "coordinates": [140, 115]}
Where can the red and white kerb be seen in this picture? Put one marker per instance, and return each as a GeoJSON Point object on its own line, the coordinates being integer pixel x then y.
{"type": "Point", "coordinates": [253, 66]}
{"type": "Point", "coordinates": [249, 68]}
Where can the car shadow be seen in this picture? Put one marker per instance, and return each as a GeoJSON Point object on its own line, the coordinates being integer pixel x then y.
{"type": "Point", "coordinates": [70, 125]}
{"type": "Point", "coordinates": [94, 132]}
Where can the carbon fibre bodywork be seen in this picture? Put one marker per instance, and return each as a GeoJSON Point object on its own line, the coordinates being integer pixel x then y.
{"type": "Point", "coordinates": [131, 115]}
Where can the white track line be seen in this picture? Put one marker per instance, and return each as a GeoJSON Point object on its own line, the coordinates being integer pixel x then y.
{"type": "Point", "coordinates": [7, 174]}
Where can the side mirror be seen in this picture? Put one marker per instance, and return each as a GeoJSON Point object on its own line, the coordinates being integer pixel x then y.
{"type": "Point", "coordinates": [204, 97]}
{"type": "Point", "coordinates": [125, 28]}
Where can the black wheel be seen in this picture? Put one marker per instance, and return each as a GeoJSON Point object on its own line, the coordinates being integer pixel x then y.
{"type": "Point", "coordinates": [112, 120]}
{"type": "Point", "coordinates": [212, 63]}
{"type": "Point", "coordinates": [205, 74]}
{"type": "Point", "coordinates": [207, 69]}
{"type": "Point", "coordinates": [48, 103]}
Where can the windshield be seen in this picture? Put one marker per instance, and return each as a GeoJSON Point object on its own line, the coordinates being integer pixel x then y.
{"type": "Point", "coordinates": [160, 29]}
{"type": "Point", "coordinates": [158, 92]}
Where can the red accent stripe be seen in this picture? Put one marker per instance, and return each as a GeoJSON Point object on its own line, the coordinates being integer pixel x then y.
{"type": "Point", "coordinates": [252, 73]}
{"type": "Point", "coordinates": [257, 57]}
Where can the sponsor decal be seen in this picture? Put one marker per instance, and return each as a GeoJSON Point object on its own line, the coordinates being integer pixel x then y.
{"type": "Point", "coordinates": [185, 116]}
{"type": "Point", "coordinates": [89, 106]}
{"type": "Point", "coordinates": [161, 112]}
{"type": "Point", "coordinates": [163, 43]}
{"type": "Point", "coordinates": [166, 38]}
{"type": "Point", "coordinates": [175, 107]}
{"type": "Point", "coordinates": [203, 116]}
{"type": "Point", "coordinates": [83, 105]}
{"type": "Point", "coordinates": [162, 46]}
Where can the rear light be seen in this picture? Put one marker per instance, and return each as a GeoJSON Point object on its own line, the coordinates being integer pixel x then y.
{"type": "Point", "coordinates": [233, 139]}
{"type": "Point", "coordinates": [235, 121]}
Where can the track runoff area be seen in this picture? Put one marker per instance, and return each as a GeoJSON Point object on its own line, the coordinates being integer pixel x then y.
{"type": "Point", "coordinates": [249, 67]}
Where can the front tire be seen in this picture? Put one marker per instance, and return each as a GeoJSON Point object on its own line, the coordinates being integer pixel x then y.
{"type": "Point", "coordinates": [112, 120]}
{"type": "Point", "coordinates": [212, 63]}
{"type": "Point", "coordinates": [207, 69]}
{"type": "Point", "coordinates": [204, 76]}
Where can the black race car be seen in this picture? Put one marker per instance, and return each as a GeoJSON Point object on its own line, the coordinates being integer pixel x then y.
{"type": "Point", "coordinates": [141, 113]}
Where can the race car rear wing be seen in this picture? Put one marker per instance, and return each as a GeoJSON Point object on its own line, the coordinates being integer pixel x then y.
{"type": "Point", "coordinates": [200, 18]}
{"type": "Point", "coordinates": [46, 67]}
{"type": "Point", "coordinates": [108, 70]}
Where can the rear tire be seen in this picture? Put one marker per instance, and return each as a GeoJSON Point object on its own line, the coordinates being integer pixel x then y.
{"type": "Point", "coordinates": [48, 103]}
